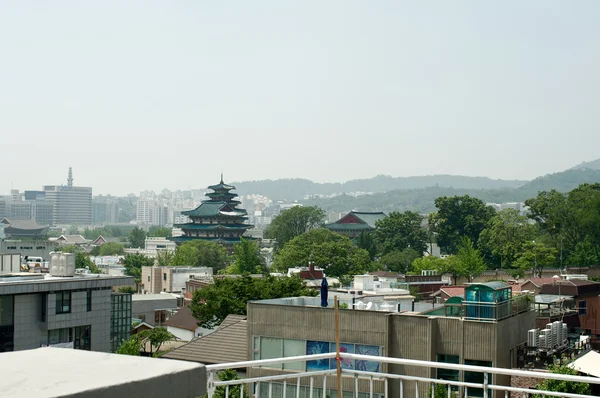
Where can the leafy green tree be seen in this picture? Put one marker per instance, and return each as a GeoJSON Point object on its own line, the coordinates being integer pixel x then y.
{"type": "Point", "coordinates": [229, 295]}
{"type": "Point", "coordinates": [82, 260]}
{"type": "Point", "coordinates": [469, 260]}
{"type": "Point", "coordinates": [293, 222]}
{"type": "Point", "coordinates": [399, 261]}
{"type": "Point", "coordinates": [127, 289]}
{"type": "Point", "coordinates": [164, 258]}
{"type": "Point", "coordinates": [505, 236]}
{"type": "Point", "coordinates": [570, 387]}
{"type": "Point", "coordinates": [400, 231]}
{"type": "Point", "coordinates": [458, 217]}
{"type": "Point", "coordinates": [535, 257]}
{"type": "Point", "coordinates": [133, 265]}
{"type": "Point", "coordinates": [427, 263]}
{"type": "Point", "coordinates": [247, 258]}
{"type": "Point", "coordinates": [131, 346]}
{"type": "Point", "coordinates": [161, 232]}
{"type": "Point", "coordinates": [156, 337]}
{"type": "Point", "coordinates": [137, 238]}
{"type": "Point", "coordinates": [323, 248]}
{"type": "Point", "coordinates": [111, 249]}
{"type": "Point", "coordinates": [584, 255]}
{"type": "Point", "coordinates": [234, 390]}
{"type": "Point", "coordinates": [366, 241]}
{"type": "Point", "coordinates": [201, 253]}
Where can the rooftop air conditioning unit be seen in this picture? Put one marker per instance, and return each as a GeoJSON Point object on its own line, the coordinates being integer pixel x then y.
{"type": "Point", "coordinates": [533, 337]}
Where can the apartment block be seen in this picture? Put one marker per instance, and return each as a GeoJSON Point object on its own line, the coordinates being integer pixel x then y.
{"type": "Point", "coordinates": [43, 310]}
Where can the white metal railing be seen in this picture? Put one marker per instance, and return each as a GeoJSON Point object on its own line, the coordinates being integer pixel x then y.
{"type": "Point", "coordinates": [254, 385]}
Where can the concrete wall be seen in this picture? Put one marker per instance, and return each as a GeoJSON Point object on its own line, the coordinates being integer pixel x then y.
{"type": "Point", "coordinates": [401, 336]}
{"type": "Point", "coordinates": [145, 308]}
{"type": "Point", "coordinates": [31, 332]}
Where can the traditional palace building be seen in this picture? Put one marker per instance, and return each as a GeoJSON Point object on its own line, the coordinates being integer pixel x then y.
{"type": "Point", "coordinates": [217, 219]}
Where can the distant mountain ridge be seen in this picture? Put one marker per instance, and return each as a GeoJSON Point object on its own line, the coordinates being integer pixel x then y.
{"type": "Point", "coordinates": [298, 188]}
{"type": "Point", "coordinates": [594, 165]}
{"type": "Point", "coordinates": [422, 200]}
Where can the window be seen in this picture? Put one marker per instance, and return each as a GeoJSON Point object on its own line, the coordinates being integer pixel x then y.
{"type": "Point", "coordinates": [89, 300]}
{"type": "Point", "coordinates": [582, 307]}
{"type": "Point", "coordinates": [7, 327]}
{"type": "Point", "coordinates": [448, 374]}
{"type": "Point", "coordinates": [165, 276]}
{"type": "Point", "coordinates": [476, 377]}
{"type": "Point", "coordinates": [63, 302]}
{"type": "Point", "coordinates": [148, 278]}
{"type": "Point", "coordinates": [82, 338]}
{"type": "Point", "coordinates": [40, 248]}
{"type": "Point", "coordinates": [294, 348]}
{"type": "Point", "coordinates": [44, 306]}
{"type": "Point", "coordinates": [60, 336]}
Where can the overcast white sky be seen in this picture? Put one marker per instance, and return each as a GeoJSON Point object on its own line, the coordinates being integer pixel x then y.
{"type": "Point", "coordinates": [156, 94]}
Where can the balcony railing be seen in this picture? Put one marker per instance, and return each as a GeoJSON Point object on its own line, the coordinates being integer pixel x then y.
{"type": "Point", "coordinates": [314, 384]}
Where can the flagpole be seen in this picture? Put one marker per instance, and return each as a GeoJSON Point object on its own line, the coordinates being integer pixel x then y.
{"type": "Point", "coordinates": [338, 360]}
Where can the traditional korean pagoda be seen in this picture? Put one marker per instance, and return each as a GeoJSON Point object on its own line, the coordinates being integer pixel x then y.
{"type": "Point", "coordinates": [217, 219]}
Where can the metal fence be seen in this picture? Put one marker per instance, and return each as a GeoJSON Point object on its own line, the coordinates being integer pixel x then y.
{"type": "Point", "coordinates": [304, 384]}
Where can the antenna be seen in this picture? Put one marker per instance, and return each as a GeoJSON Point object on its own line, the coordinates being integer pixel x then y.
{"type": "Point", "coordinates": [221, 177]}
{"type": "Point", "coordinates": [70, 178]}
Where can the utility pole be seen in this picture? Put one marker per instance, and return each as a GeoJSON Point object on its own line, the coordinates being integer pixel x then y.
{"type": "Point", "coordinates": [561, 253]}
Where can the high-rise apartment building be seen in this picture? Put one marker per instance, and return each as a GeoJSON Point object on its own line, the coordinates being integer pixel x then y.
{"type": "Point", "coordinates": [71, 205]}
{"type": "Point", "coordinates": [105, 210]}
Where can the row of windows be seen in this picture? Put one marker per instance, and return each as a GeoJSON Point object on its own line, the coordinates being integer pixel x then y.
{"type": "Point", "coordinates": [63, 302]}
{"type": "Point", "coordinates": [25, 248]}
{"type": "Point", "coordinates": [268, 347]}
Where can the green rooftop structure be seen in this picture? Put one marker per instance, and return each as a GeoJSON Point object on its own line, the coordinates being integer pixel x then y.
{"type": "Point", "coordinates": [217, 219]}
{"type": "Point", "coordinates": [355, 222]}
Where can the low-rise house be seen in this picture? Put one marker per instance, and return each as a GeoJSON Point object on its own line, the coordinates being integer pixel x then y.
{"type": "Point", "coordinates": [356, 222]}
{"type": "Point", "coordinates": [534, 285]}
{"type": "Point", "coordinates": [184, 326]}
{"type": "Point", "coordinates": [228, 343]}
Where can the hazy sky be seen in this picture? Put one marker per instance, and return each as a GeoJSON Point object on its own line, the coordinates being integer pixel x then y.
{"type": "Point", "coordinates": [167, 94]}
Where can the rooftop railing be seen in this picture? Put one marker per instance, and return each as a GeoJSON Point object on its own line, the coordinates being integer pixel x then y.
{"type": "Point", "coordinates": [313, 384]}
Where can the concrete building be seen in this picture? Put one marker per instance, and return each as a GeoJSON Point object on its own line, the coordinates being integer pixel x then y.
{"type": "Point", "coordinates": [153, 309]}
{"type": "Point", "coordinates": [40, 309]}
{"type": "Point", "coordinates": [105, 210]}
{"type": "Point", "coordinates": [28, 247]}
{"type": "Point", "coordinates": [184, 326]}
{"type": "Point", "coordinates": [72, 205]}
{"type": "Point", "coordinates": [461, 335]}
{"type": "Point", "coordinates": [75, 374]}
{"type": "Point", "coordinates": [171, 279]}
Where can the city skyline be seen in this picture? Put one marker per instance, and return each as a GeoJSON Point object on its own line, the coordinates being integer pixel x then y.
{"type": "Point", "coordinates": [143, 95]}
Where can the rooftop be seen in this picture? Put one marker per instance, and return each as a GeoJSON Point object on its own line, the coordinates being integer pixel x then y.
{"type": "Point", "coordinates": [76, 373]}
{"type": "Point", "coordinates": [149, 297]}
{"type": "Point", "coordinates": [23, 224]}
{"type": "Point", "coordinates": [35, 283]}
{"type": "Point", "coordinates": [228, 343]}
{"type": "Point", "coordinates": [183, 319]}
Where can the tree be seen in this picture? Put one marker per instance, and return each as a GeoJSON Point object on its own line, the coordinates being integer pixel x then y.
{"type": "Point", "coordinates": [570, 387]}
{"type": "Point", "coordinates": [366, 241]}
{"type": "Point", "coordinates": [234, 390]}
{"type": "Point", "coordinates": [399, 261]}
{"type": "Point", "coordinates": [399, 231]}
{"type": "Point", "coordinates": [137, 238]}
{"type": "Point", "coordinates": [535, 257]}
{"type": "Point", "coordinates": [469, 260]}
{"type": "Point", "coordinates": [83, 261]}
{"type": "Point", "coordinates": [201, 253]}
{"type": "Point", "coordinates": [323, 248]}
{"type": "Point", "coordinates": [293, 222]}
{"type": "Point", "coordinates": [156, 337]}
{"type": "Point", "coordinates": [446, 265]}
{"type": "Point", "coordinates": [164, 257]}
{"type": "Point", "coordinates": [111, 249]}
{"type": "Point", "coordinates": [246, 258]}
{"type": "Point", "coordinates": [161, 232]}
{"type": "Point", "coordinates": [131, 346]}
{"type": "Point", "coordinates": [584, 255]}
{"type": "Point", "coordinates": [507, 232]}
{"type": "Point", "coordinates": [460, 216]}
{"type": "Point", "coordinates": [133, 265]}
{"type": "Point", "coordinates": [229, 295]}
{"type": "Point", "coordinates": [127, 289]}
